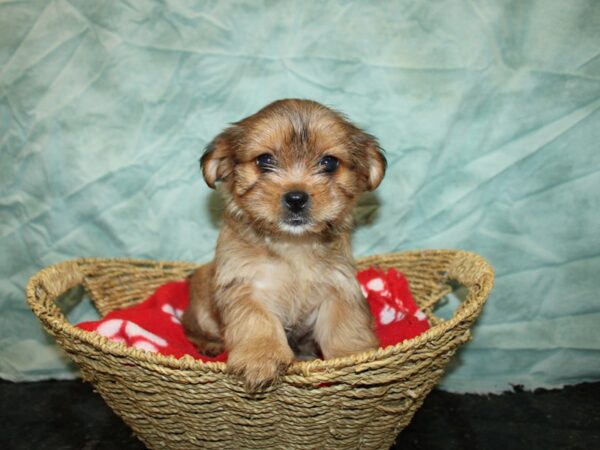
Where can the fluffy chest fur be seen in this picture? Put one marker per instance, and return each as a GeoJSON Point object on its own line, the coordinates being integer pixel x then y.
{"type": "Point", "coordinates": [291, 278]}
{"type": "Point", "coordinates": [291, 282]}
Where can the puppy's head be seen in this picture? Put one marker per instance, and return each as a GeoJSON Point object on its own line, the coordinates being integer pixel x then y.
{"type": "Point", "coordinates": [294, 167]}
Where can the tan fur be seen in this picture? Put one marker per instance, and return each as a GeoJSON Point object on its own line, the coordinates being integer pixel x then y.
{"type": "Point", "coordinates": [273, 284]}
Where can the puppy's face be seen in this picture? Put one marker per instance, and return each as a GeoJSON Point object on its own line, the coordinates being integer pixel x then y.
{"type": "Point", "coordinates": [294, 167]}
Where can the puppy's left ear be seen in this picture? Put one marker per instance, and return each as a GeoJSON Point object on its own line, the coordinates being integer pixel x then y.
{"type": "Point", "coordinates": [374, 164]}
{"type": "Point", "coordinates": [218, 160]}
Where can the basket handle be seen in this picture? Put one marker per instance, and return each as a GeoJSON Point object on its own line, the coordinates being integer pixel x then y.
{"type": "Point", "coordinates": [47, 285]}
{"type": "Point", "coordinates": [477, 276]}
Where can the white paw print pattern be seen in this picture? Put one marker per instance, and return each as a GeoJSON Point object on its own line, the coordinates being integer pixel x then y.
{"type": "Point", "coordinates": [420, 315]}
{"type": "Point", "coordinates": [120, 330]}
{"type": "Point", "coordinates": [378, 285]}
{"type": "Point", "coordinates": [175, 313]}
{"type": "Point", "coordinates": [388, 313]}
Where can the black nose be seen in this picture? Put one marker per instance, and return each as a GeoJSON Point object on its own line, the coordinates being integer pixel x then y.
{"type": "Point", "coordinates": [295, 201]}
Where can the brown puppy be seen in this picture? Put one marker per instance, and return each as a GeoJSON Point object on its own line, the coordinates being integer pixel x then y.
{"type": "Point", "coordinates": [283, 274]}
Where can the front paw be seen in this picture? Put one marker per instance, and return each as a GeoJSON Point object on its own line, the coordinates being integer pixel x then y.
{"type": "Point", "coordinates": [260, 364]}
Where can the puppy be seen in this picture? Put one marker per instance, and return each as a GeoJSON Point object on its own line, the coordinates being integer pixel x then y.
{"type": "Point", "coordinates": [283, 277]}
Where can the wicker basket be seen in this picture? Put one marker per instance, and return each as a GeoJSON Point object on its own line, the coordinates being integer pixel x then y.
{"type": "Point", "coordinates": [361, 401]}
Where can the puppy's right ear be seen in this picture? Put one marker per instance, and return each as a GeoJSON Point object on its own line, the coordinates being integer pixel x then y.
{"type": "Point", "coordinates": [218, 160]}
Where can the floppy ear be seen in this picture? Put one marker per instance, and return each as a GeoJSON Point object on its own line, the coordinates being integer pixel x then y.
{"type": "Point", "coordinates": [218, 159]}
{"type": "Point", "coordinates": [374, 162]}
{"type": "Point", "coordinates": [377, 166]}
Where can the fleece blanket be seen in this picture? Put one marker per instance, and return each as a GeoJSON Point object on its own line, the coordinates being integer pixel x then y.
{"type": "Point", "coordinates": [489, 113]}
{"type": "Point", "coordinates": [154, 325]}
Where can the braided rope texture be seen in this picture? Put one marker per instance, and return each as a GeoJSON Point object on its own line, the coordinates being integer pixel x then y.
{"type": "Point", "coordinates": [357, 402]}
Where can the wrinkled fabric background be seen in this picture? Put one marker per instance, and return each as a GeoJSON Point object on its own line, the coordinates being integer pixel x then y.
{"type": "Point", "coordinates": [488, 111]}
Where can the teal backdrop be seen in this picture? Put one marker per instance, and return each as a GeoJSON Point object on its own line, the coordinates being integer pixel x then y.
{"type": "Point", "coordinates": [488, 111]}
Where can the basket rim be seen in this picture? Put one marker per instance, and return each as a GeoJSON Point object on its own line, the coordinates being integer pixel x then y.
{"type": "Point", "coordinates": [57, 322]}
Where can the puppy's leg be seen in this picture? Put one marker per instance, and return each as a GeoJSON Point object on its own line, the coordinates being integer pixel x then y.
{"type": "Point", "coordinates": [344, 326]}
{"type": "Point", "coordinates": [201, 320]}
{"type": "Point", "coordinates": [254, 337]}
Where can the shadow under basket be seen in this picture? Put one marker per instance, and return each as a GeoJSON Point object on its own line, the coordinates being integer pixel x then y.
{"type": "Point", "coordinates": [361, 401]}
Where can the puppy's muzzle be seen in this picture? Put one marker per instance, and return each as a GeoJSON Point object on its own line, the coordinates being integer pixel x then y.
{"type": "Point", "coordinates": [296, 202]}
{"type": "Point", "coordinates": [296, 206]}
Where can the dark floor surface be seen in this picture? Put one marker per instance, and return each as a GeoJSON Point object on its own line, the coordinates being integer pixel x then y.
{"type": "Point", "coordinates": [68, 415]}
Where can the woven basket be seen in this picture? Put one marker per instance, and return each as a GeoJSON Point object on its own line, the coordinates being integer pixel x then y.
{"type": "Point", "coordinates": [361, 401]}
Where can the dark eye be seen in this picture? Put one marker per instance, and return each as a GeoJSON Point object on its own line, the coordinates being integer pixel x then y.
{"type": "Point", "coordinates": [266, 162]}
{"type": "Point", "coordinates": [329, 164]}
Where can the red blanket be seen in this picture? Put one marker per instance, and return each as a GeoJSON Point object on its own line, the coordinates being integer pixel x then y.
{"type": "Point", "coordinates": [155, 324]}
